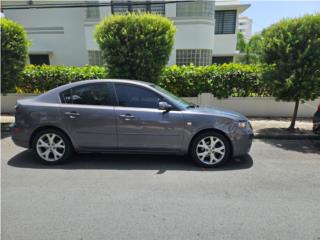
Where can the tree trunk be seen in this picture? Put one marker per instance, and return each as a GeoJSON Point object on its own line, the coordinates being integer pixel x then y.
{"type": "Point", "coordinates": [294, 117]}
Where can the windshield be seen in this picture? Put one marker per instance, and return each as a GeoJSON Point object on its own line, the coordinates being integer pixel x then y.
{"type": "Point", "coordinates": [179, 101]}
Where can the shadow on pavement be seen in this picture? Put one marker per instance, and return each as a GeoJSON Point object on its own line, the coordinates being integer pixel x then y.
{"type": "Point", "coordinates": [162, 163]}
{"type": "Point", "coordinates": [303, 146]}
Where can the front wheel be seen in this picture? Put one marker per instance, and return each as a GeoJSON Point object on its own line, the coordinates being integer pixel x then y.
{"type": "Point", "coordinates": [210, 149]}
{"type": "Point", "coordinates": [52, 146]}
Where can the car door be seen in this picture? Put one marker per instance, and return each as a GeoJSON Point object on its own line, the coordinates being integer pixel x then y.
{"type": "Point", "coordinates": [142, 125]}
{"type": "Point", "coordinates": [88, 113]}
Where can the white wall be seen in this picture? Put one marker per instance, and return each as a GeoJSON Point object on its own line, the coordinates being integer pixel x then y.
{"type": "Point", "coordinates": [89, 29]}
{"type": "Point", "coordinates": [225, 45]}
{"type": "Point", "coordinates": [192, 34]}
{"type": "Point", "coordinates": [56, 31]}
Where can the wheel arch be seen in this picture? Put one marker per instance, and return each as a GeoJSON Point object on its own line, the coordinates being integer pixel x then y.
{"type": "Point", "coordinates": [41, 128]}
{"type": "Point", "coordinates": [211, 130]}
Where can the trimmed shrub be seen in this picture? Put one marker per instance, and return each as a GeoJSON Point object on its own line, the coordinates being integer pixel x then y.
{"type": "Point", "coordinates": [221, 80]}
{"type": "Point", "coordinates": [136, 46]}
{"type": "Point", "coordinates": [14, 47]}
{"type": "Point", "coordinates": [43, 78]}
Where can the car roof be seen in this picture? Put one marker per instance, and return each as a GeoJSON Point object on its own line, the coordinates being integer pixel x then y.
{"type": "Point", "coordinates": [108, 80]}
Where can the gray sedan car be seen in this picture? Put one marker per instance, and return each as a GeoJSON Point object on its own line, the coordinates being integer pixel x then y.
{"type": "Point", "coordinates": [125, 116]}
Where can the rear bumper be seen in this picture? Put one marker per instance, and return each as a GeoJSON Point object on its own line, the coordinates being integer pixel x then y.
{"type": "Point", "coordinates": [19, 137]}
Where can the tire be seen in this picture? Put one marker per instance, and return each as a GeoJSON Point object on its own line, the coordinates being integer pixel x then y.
{"type": "Point", "coordinates": [52, 146]}
{"type": "Point", "coordinates": [210, 150]}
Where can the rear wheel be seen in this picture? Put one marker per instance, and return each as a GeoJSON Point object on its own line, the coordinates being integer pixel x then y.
{"type": "Point", "coordinates": [210, 149]}
{"type": "Point", "coordinates": [52, 146]}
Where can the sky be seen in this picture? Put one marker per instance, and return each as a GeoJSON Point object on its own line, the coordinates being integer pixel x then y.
{"type": "Point", "coordinates": [265, 13]}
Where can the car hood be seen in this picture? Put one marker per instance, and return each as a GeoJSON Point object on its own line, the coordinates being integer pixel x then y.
{"type": "Point", "coordinates": [222, 112]}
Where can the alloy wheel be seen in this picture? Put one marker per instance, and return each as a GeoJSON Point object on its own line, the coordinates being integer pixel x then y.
{"type": "Point", "coordinates": [50, 147]}
{"type": "Point", "coordinates": [211, 150]}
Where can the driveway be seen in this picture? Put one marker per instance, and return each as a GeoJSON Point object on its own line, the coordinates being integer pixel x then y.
{"type": "Point", "coordinates": [272, 194]}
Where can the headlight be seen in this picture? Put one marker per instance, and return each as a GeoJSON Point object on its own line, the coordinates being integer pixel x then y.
{"type": "Point", "coordinates": [242, 124]}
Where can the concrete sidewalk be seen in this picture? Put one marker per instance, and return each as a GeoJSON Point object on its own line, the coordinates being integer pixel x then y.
{"type": "Point", "coordinates": [263, 128]}
{"type": "Point", "coordinates": [7, 119]}
{"type": "Point", "coordinates": [276, 128]}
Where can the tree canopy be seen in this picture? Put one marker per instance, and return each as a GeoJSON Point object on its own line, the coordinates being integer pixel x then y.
{"type": "Point", "coordinates": [292, 48]}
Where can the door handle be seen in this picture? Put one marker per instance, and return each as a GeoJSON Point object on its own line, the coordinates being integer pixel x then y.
{"type": "Point", "coordinates": [72, 114]}
{"type": "Point", "coordinates": [126, 117]}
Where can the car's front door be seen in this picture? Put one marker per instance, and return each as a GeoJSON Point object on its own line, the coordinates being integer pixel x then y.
{"type": "Point", "coordinates": [142, 125]}
{"type": "Point", "coordinates": [88, 113]}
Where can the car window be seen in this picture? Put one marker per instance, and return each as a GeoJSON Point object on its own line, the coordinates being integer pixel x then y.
{"type": "Point", "coordinates": [89, 94]}
{"type": "Point", "coordinates": [135, 96]}
{"type": "Point", "coordinates": [65, 96]}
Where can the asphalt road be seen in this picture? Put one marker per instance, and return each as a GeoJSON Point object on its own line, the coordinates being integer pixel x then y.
{"type": "Point", "coordinates": [272, 194]}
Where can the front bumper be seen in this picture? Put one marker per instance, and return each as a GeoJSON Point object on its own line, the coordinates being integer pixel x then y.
{"type": "Point", "coordinates": [242, 142]}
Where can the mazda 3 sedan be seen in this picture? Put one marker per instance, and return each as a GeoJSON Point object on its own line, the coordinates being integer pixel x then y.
{"type": "Point", "coordinates": [125, 116]}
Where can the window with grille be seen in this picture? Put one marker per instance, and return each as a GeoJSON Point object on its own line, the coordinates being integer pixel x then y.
{"type": "Point", "coordinates": [158, 8]}
{"type": "Point", "coordinates": [92, 11]}
{"type": "Point", "coordinates": [198, 57]}
{"type": "Point", "coordinates": [119, 9]}
{"type": "Point", "coordinates": [139, 8]}
{"type": "Point", "coordinates": [225, 22]}
{"type": "Point", "coordinates": [195, 9]}
{"type": "Point", "coordinates": [95, 58]}
{"type": "Point", "coordinates": [123, 7]}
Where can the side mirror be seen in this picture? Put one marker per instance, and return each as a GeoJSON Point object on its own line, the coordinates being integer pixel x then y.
{"type": "Point", "coordinates": [165, 106]}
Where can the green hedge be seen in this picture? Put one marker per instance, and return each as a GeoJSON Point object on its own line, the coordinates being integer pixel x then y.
{"type": "Point", "coordinates": [37, 79]}
{"type": "Point", "coordinates": [187, 81]}
{"type": "Point", "coordinates": [221, 80]}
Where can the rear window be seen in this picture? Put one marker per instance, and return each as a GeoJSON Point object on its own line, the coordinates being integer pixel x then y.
{"type": "Point", "coordinates": [89, 94]}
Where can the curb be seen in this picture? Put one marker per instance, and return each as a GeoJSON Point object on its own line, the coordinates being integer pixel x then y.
{"type": "Point", "coordinates": [288, 137]}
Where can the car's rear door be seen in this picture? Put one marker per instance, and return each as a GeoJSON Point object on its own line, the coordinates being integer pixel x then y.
{"type": "Point", "coordinates": [141, 125]}
{"type": "Point", "coordinates": [88, 113]}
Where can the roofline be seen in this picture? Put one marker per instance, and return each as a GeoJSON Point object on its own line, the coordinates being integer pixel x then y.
{"type": "Point", "coordinates": [240, 7]}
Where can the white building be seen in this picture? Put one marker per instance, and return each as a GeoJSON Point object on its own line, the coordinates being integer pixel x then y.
{"type": "Point", "coordinates": [206, 31]}
{"type": "Point", "coordinates": [245, 26]}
